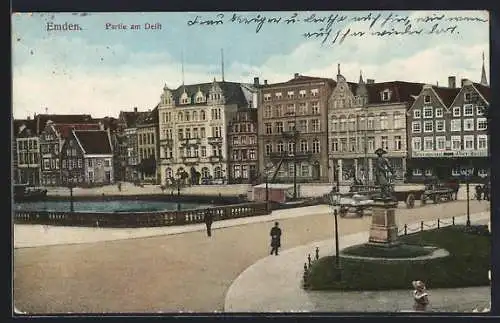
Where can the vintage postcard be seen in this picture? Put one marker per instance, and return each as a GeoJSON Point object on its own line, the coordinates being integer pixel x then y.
{"type": "Point", "coordinates": [186, 162]}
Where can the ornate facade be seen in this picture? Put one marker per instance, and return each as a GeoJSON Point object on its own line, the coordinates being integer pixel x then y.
{"type": "Point", "coordinates": [363, 117]}
{"type": "Point", "coordinates": [193, 123]}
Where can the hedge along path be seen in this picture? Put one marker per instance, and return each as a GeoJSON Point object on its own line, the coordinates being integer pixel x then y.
{"type": "Point", "coordinates": [185, 272]}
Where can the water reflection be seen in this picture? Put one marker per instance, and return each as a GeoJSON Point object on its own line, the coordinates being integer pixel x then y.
{"type": "Point", "coordinates": [106, 206]}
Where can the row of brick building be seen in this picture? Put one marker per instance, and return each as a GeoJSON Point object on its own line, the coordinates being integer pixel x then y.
{"type": "Point", "coordinates": [317, 129]}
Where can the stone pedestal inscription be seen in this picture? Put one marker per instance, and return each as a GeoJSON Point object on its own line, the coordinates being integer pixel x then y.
{"type": "Point", "coordinates": [384, 231]}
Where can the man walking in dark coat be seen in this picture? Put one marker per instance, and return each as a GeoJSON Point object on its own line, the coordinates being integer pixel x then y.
{"type": "Point", "coordinates": [275, 238]}
{"type": "Point", "coordinates": [209, 219]}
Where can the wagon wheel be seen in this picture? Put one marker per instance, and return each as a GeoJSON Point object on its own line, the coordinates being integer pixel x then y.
{"type": "Point", "coordinates": [360, 212]}
{"type": "Point", "coordinates": [423, 199]}
{"type": "Point", "coordinates": [436, 198]}
{"type": "Point", "coordinates": [410, 201]}
{"type": "Point", "coordinates": [343, 212]}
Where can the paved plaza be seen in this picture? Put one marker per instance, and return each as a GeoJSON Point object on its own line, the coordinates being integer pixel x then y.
{"type": "Point", "coordinates": [176, 269]}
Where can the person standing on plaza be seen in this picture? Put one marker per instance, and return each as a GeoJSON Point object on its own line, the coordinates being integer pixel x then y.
{"type": "Point", "coordinates": [209, 219]}
{"type": "Point", "coordinates": [420, 296]}
{"type": "Point", "coordinates": [275, 238]}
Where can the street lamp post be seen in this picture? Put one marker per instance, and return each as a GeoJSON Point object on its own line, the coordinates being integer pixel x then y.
{"type": "Point", "coordinates": [334, 201]}
{"type": "Point", "coordinates": [267, 171]}
{"type": "Point", "coordinates": [295, 135]}
{"type": "Point", "coordinates": [70, 184]}
{"type": "Point", "coordinates": [467, 172]}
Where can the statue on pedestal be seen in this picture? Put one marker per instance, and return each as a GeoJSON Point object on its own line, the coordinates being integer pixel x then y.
{"type": "Point", "coordinates": [383, 173]}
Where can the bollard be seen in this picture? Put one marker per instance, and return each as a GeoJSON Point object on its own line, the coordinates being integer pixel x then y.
{"type": "Point", "coordinates": [438, 223]}
{"type": "Point", "coordinates": [422, 226]}
{"type": "Point", "coordinates": [406, 229]}
{"type": "Point", "coordinates": [317, 253]}
{"type": "Point", "coordinates": [309, 260]}
{"type": "Point", "coordinates": [305, 277]}
{"type": "Point", "coordinates": [453, 220]}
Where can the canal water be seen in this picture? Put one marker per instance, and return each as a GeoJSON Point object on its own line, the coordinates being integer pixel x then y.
{"type": "Point", "coordinates": [106, 206]}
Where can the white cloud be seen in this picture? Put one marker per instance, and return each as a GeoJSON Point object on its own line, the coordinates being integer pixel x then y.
{"type": "Point", "coordinates": [70, 80]}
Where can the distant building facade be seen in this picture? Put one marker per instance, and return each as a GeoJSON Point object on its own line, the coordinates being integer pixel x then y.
{"type": "Point", "coordinates": [87, 158]}
{"type": "Point", "coordinates": [362, 118]}
{"type": "Point", "coordinates": [243, 146]}
{"type": "Point", "coordinates": [448, 131]}
{"type": "Point", "coordinates": [148, 146]}
{"type": "Point", "coordinates": [292, 118]}
{"type": "Point", "coordinates": [193, 122]}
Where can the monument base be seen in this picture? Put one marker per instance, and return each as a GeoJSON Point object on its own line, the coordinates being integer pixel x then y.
{"type": "Point", "coordinates": [384, 231]}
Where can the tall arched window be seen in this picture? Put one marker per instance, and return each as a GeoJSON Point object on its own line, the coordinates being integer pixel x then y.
{"type": "Point", "coordinates": [217, 172]}
{"type": "Point", "coordinates": [203, 116]}
{"type": "Point", "coordinates": [205, 173]}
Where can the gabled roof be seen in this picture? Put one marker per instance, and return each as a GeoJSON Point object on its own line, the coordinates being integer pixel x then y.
{"type": "Point", "coordinates": [94, 141]}
{"type": "Point", "coordinates": [108, 123]}
{"type": "Point", "coordinates": [232, 92]}
{"type": "Point", "coordinates": [149, 118]}
{"type": "Point", "coordinates": [483, 90]}
{"type": "Point", "coordinates": [28, 126]}
{"type": "Point", "coordinates": [401, 91]}
{"type": "Point", "coordinates": [64, 129]}
{"type": "Point", "coordinates": [41, 119]}
{"type": "Point", "coordinates": [446, 94]}
{"type": "Point", "coordinates": [131, 117]}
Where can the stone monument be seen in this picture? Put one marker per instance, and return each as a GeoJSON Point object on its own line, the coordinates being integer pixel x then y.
{"type": "Point", "coordinates": [383, 231]}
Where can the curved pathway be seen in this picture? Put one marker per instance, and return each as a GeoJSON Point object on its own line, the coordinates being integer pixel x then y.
{"type": "Point", "coordinates": [273, 284]}
{"type": "Point", "coordinates": [168, 272]}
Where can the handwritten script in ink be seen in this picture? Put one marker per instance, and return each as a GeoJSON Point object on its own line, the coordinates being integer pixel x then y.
{"type": "Point", "coordinates": [335, 28]}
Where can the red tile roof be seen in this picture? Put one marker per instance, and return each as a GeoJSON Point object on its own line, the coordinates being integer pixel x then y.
{"type": "Point", "coordinates": [446, 94]}
{"type": "Point", "coordinates": [64, 129]}
{"type": "Point", "coordinates": [94, 141]}
{"type": "Point", "coordinates": [484, 90]}
{"type": "Point", "coordinates": [401, 91]}
{"type": "Point", "coordinates": [41, 119]}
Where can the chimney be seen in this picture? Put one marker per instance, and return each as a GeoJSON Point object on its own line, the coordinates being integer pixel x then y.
{"type": "Point", "coordinates": [296, 75]}
{"type": "Point", "coordinates": [370, 81]}
{"type": "Point", "coordinates": [135, 109]}
{"type": "Point", "coordinates": [265, 82]}
{"type": "Point", "coordinates": [452, 82]}
{"type": "Point", "coordinates": [255, 81]}
{"type": "Point", "coordinates": [462, 82]}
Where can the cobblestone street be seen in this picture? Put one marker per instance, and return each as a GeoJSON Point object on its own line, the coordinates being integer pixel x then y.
{"type": "Point", "coordinates": [171, 273]}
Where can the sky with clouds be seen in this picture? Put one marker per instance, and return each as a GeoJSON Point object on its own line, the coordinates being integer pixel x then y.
{"type": "Point", "coordinates": [103, 71]}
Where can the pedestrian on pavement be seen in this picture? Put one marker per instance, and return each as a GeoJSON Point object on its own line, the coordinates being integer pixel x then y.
{"type": "Point", "coordinates": [119, 186]}
{"type": "Point", "coordinates": [420, 296]}
{"type": "Point", "coordinates": [479, 192]}
{"type": "Point", "coordinates": [486, 191]}
{"type": "Point", "coordinates": [275, 238]}
{"type": "Point", "coordinates": [209, 219]}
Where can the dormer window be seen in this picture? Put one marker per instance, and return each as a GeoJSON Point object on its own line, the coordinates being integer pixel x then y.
{"type": "Point", "coordinates": [267, 97]}
{"type": "Point", "coordinates": [200, 97]}
{"type": "Point", "coordinates": [184, 98]}
{"type": "Point", "coordinates": [467, 96]}
{"type": "Point", "coordinates": [386, 95]}
{"type": "Point", "coordinates": [427, 99]}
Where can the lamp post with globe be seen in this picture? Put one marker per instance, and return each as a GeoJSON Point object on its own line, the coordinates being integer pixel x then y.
{"type": "Point", "coordinates": [467, 173]}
